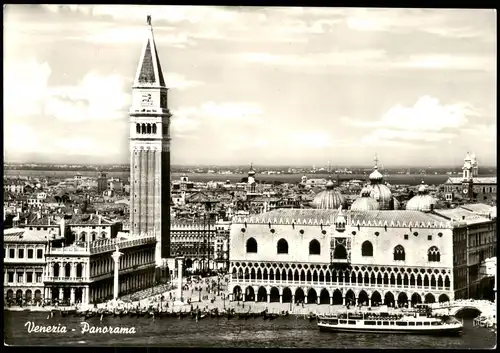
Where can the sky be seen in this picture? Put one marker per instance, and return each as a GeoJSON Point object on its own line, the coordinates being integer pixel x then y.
{"type": "Point", "coordinates": [268, 85]}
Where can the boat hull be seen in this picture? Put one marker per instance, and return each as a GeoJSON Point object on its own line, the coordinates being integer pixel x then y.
{"type": "Point", "coordinates": [439, 331]}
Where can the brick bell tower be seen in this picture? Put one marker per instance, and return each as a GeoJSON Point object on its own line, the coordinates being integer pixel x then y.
{"type": "Point", "coordinates": [150, 151]}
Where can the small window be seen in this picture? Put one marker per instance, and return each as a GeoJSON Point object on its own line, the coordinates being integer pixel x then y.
{"type": "Point", "coordinates": [301, 231]}
{"type": "Point", "coordinates": [272, 230]}
{"type": "Point", "coordinates": [11, 277]}
{"type": "Point", "coordinates": [406, 236]}
{"type": "Point", "coordinates": [385, 323]}
{"type": "Point", "coordinates": [415, 234]}
{"type": "Point", "coordinates": [29, 277]}
{"type": "Point", "coordinates": [243, 230]}
{"type": "Point", "coordinates": [39, 254]}
{"type": "Point", "coordinates": [440, 234]}
{"type": "Point", "coordinates": [12, 253]}
{"type": "Point", "coordinates": [429, 237]}
{"type": "Point", "coordinates": [377, 234]}
{"type": "Point", "coordinates": [30, 254]}
{"type": "Point", "coordinates": [323, 232]}
{"type": "Point", "coordinates": [20, 253]}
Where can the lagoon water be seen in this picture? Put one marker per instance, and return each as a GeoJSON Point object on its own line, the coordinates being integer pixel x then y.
{"type": "Point", "coordinates": [287, 332]}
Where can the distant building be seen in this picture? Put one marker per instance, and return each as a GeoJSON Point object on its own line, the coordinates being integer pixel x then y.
{"type": "Point", "coordinates": [470, 187]}
{"type": "Point", "coordinates": [24, 262]}
{"type": "Point", "coordinates": [102, 182]}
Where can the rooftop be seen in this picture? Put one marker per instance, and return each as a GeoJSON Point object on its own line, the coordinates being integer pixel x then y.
{"type": "Point", "coordinates": [393, 218]}
{"type": "Point", "coordinates": [22, 235]}
{"type": "Point", "coordinates": [479, 180]}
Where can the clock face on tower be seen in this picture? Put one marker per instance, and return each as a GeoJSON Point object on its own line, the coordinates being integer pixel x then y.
{"type": "Point", "coordinates": [146, 99]}
{"type": "Point", "coordinates": [465, 191]}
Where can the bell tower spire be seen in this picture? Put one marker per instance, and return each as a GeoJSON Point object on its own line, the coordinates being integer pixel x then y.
{"type": "Point", "coordinates": [150, 151]}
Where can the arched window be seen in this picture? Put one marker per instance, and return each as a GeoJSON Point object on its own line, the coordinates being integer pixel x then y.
{"type": "Point", "coordinates": [399, 253]}
{"type": "Point", "coordinates": [154, 128]}
{"type": "Point", "coordinates": [367, 249]}
{"type": "Point", "coordinates": [282, 246]}
{"type": "Point", "coordinates": [138, 128]}
{"type": "Point", "coordinates": [251, 245]}
{"type": "Point", "coordinates": [149, 128]}
{"type": "Point", "coordinates": [143, 128]}
{"type": "Point", "coordinates": [433, 254]}
{"type": "Point", "coordinates": [314, 247]}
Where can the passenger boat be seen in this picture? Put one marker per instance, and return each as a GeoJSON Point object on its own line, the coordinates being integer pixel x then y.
{"type": "Point", "coordinates": [408, 323]}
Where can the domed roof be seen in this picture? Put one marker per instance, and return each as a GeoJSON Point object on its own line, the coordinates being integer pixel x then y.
{"type": "Point", "coordinates": [328, 199]}
{"type": "Point", "coordinates": [376, 175]}
{"type": "Point", "coordinates": [365, 204]}
{"type": "Point", "coordinates": [422, 201]}
{"type": "Point", "coordinates": [251, 172]}
{"type": "Point", "coordinates": [380, 193]}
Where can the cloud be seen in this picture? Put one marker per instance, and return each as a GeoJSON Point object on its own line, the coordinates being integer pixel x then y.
{"type": "Point", "coordinates": [449, 62]}
{"type": "Point", "coordinates": [227, 111]}
{"type": "Point", "coordinates": [174, 80]}
{"type": "Point", "coordinates": [25, 84]}
{"type": "Point", "coordinates": [22, 138]}
{"type": "Point", "coordinates": [345, 58]}
{"type": "Point", "coordinates": [426, 121]}
{"type": "Point", "coordinates": [97, 97]}
{"type": "Point", "coordinates": [312, 139]}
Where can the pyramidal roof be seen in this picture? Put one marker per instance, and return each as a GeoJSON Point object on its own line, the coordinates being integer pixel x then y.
{"type": "Point", "coordinates": [149, 69]}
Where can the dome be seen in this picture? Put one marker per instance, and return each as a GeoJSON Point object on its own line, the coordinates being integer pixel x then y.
{"type": "Point", "coordinates": [365, 204]}
{"type": "Point", "coordinates": [380, 193]}
{"type": "Point", "coordinates": [422, 201]}
{"type": "Point", "coordinates": [328, 199]}
{"type": "Point", "coordinates": [376, 175]}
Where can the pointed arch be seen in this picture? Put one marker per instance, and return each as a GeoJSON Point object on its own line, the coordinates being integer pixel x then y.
{"type": "Point", "coordinates": [324, 296]}
{"type": "Point", "coordinates": [340, 252]}
{"type": "Point", "coordinates": [154, 129]}
{"type": "Point", "coordinates": [376, 298]}
{"type": "Point", "coordinates": [353, 277]}
{"type": "Point", "coordinates": [419, 280]}
{"type": "Point", "coordinates": [399, 253]}
{"type": "Point", "coordinates": [399, 280]}
{"type": "Point", "coordinates": [360, 278]}
{"type": "Point", "coordinates": [312, 296]}
{"type": "Point", "coordinates": [372, 278]}
{"type": "Point", "coordinates": [148, 127]}
{"type": "Point", "coordinates": [299, 295]}
{"type": "Point", "coordinates": [440, 282]}
{"type": "Point", "coordinates": [302, 275]}
{"type": "Point", "coordinates": [412, 280]}
{"type": "Point", "coordinates": [321, 276]}
{"type": "Point", "coordinates": [328, 278]}
{"type": "Point", "coordinates": [433, 254]}
{"type": "Point", "coordinates": [278, 274]}
{"type": "Point", "coordinates": [296, 276]}
{"type": "Point", "coordinates": [366, 279]}
{"type": "Point", "coordinates": [366, 248]}
{"type": "Point", "coordinates": [446, 281]}
{"type": "Point", "coordinates": [386, 278]}
{"type": "Point", "coordinates": [309, 276]}
{"type": "Point", "coordinates": [283, 275]}
{"type": "Point", "coordinates": [379, 278]}
{"type": "Point", "coordinates": [251, 245]}
{"type": "Point", "coordinates": [138, 128]}
{"type": "Point", "coordinates": [314, 247]}
{"type": "Point", "coordinates": [259, 274]}
{"type": "Point", "coordinates": [143, 126]}
{"type": "Point", "coordinates": [290, 275]}
{"type": "Point", "coordinates": [282, 246]}
{"type": "Point", "coordinates": [426, 281]}
{"type": "Point", "coordinates": [315, 276]}
{"type": "Point", "coordinates": [363, 298]}
{"type": "Point", "coordinates": [433, 281]}
{"type": "Point", "coordinates": [265, 275]}
{"type": "Point", "coordinates": [271, 274]}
